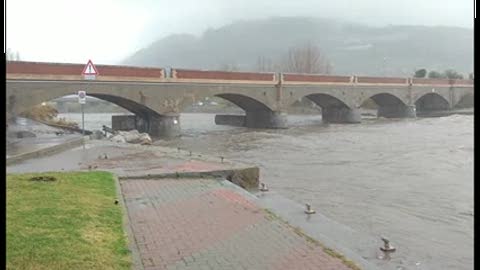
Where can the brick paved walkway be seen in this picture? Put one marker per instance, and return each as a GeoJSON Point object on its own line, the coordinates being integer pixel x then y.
{"type": "Point", "coordinates": [204, 224]}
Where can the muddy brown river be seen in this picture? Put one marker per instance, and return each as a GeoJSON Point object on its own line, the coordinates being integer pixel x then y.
{"type": "Point", "coordinates": [410, 180]}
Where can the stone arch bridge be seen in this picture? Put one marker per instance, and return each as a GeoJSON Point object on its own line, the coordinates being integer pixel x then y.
{"type": "Point", "coordinates": [157, 97]}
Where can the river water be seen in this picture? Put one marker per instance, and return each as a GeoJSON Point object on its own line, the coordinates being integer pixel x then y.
{"type": "Point", "coordinates": [410, 180]}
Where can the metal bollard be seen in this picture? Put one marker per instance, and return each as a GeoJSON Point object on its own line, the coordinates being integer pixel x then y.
{"type": "Point", "coordinates": [309, 209]}
{"type": "Point", "coordinates": [263, 187]}
{"type": "Point", "coordinates": [386, 245]}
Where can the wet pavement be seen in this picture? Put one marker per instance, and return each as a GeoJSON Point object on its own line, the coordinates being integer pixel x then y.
{"type": "Point", "coordinates": [210, 224]}
{"type": "Point", "coordinates": [45, 136]}
{"type": "Point", "coordinates": [126, 160]}
{"type": "Point", "coordinates": [27, 145]}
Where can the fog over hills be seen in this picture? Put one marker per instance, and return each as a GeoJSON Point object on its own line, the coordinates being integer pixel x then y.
{"type": "Point", "coordinates": [351, 48]}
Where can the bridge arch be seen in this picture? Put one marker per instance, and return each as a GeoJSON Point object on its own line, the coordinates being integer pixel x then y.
{"type": "Point", "coordinates": [431, 102]}
{"type": "Point", "coordinates": [257, 113]}
{"type": "Point", "coordinates": [248, 104]}
{"type": "Point", "coordinates": [128, 104]}
{"type": "Point", "coordinates": [326, 100]}
{"type": "Point", "coordinates": [387, 99]}
{"type": "Point", "coordinates": [334, 110]}
{"type": "Point", "coordinates": [391, 106]}
{"type": "Point", "coordinates": [145, 119]}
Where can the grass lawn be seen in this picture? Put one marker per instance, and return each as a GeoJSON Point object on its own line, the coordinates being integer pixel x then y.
{"type": "Point", "coordinates": [70, 223]}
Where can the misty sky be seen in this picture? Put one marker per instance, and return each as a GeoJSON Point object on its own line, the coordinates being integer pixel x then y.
{"type": "Point", "coordinates": [107, 31]}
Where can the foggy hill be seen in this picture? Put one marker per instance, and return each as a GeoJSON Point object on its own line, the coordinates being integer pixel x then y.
{"type": "Point", "coordinates": [351, 48]}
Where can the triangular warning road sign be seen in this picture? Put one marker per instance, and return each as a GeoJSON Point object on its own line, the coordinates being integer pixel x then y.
{"type": "Point", "coordinates": [90, 69]}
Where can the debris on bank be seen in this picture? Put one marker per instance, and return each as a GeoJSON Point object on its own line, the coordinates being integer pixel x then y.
{"type": "Point", "coordinates": [132, 136]}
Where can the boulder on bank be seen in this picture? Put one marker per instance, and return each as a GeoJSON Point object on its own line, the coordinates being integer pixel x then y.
{"type": "Point", "coordinates": [145, 139]}
{"type": "Point", "coordinates": [132, 136]}
{"type": "Point", "coordinates": [96, 135]}
{"type": "Point", "coordinates": [118, 139]}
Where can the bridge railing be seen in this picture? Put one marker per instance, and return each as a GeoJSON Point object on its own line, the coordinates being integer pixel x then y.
{"type": "Point", "coordinates": [420, 81]}
{"type": "Point", "coordinates": [381, 80]}
{"type": "Point", "coordinates": [302, 78]}
{"type": "Point", "coordinates": [189, 75]}
{"type": "Point", "coordinates": [66, 71]}
{"type": "Point", "coordinates": [465, 82]}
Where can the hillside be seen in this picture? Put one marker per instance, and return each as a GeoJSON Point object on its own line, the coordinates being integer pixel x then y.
{"type": "Point", "coordinates": [351, 48]}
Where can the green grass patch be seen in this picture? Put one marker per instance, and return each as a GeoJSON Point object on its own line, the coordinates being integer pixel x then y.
{"type": "Point", "coordinates": [69, 223]}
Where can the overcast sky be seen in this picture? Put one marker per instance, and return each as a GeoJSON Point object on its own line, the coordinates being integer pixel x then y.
{"type": "Point", "coordinates": [107, 31]}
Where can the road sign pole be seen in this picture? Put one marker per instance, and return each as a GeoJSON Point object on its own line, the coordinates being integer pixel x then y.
{"type": "Point", "coordinates": [89, 73]}
{"type": "Point", "coordinates": [83, 127]}
{"type": "Point", "coordinates": [83, 121]}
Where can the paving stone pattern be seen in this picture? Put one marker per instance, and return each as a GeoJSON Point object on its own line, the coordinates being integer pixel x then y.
{"type": "Point", "coordinates": [203, 224]}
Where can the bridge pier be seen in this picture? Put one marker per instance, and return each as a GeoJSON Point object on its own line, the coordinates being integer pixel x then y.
{"type": "Point", "coordinates": [230, 120]}
{"type": "Point", "coordinates": [265, 119]}
{"type": "Point", "coordinates": [399, 111]}
{"type": "Point", "coordinates": [164, 126]}
{"type": "Point", "coordinates": [341, 115]}
{"type": "Point", "coordinates": [157, 126]}
{"type": "Point", "coordinates": [254, 119]}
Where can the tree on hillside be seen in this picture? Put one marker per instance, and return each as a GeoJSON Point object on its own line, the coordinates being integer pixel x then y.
{"type": "Point", "coordinates": [470, 76]}
{"type": "Point", "coordinates": [435, 75]}
{"type": "Point", "coordinates": [306, 59]}
{"type": "Point", "coordinates": [421, 73]}
{"type": "Point", "coordinates": [452, 74]}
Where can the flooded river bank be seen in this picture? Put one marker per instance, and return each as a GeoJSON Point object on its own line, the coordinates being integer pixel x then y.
{"type": "Point", "coordinates": [410, 180]}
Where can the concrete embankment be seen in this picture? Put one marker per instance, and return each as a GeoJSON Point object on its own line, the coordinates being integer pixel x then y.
{"type": "Point", "coordinates": [47, 149]}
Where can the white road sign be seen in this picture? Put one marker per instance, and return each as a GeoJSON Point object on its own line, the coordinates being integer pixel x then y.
{"type": "Point", "coordinates": [82, 97]}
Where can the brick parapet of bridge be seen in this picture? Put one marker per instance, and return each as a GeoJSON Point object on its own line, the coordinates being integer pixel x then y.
{"type": "Point", "coordinates": [65, 71]}
{"type": "Point", "coordinates": [442, 82]}
{"type": "Point", "coordinates": [187, 74]}
{"type": "Point", "coordinates": [382, 80]}
{"type": "Point", "coordinates": [289, 78]}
